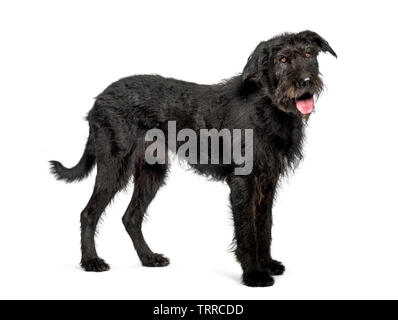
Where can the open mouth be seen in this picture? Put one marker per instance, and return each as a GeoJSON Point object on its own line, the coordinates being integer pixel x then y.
{"type": "Point", "coordinates": [305, 103]}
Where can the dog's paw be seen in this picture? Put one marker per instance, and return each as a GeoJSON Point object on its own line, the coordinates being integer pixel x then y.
{"type": "Point", "coordinates": [94, 265]}
{"type": "Point", "coordinates": [154, 260]}
{"type": "Point", "coordinates": [257, 279]}
{"type": "Point", "coordinates": [275, 268]}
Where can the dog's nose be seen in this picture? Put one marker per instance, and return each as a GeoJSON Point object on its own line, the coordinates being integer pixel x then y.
{"type": "Point", "coordinates": [303, 82]}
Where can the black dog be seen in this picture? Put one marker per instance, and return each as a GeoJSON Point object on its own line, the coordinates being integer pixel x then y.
{"type": "Point", "coordinates": [273, 97]}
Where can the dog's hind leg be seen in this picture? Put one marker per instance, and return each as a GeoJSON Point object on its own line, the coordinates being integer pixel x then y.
{"type": "Point", "coordinates": [147, 181]}
{"type": "Point", "coordinates": [89, 219]}
{"type": "Point", "coordinates": [112, 176]}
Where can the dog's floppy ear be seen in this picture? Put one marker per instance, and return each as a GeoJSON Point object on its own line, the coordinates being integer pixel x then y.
{"type": "Point", "coordinates": [254, 68]}
{"type": "Point", "coordinates": [316, 39]}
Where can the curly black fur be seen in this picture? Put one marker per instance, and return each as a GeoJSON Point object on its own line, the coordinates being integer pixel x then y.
{"type": "Point", "coordinates": [279, 72]}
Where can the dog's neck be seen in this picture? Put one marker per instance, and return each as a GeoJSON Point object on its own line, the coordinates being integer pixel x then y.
{"type": "Point", "coordinates": [287, 137]}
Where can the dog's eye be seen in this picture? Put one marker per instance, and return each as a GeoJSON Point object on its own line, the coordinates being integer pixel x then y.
{"type": "Point", "coordinates": [283, 59]}
{"type": "Point", "coordinates": [308, 55]}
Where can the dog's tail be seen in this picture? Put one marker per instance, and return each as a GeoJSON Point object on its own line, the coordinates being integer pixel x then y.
{"type": "Point", "coordinates": [79, 171]}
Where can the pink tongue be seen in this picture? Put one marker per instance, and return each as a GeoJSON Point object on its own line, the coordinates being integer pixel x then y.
{"type": "Point", "coordinates": [305, 106]}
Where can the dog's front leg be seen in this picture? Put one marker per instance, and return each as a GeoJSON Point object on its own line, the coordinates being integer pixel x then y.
{"type": "Point", "coordinates": [264, 193]}
{"type": "Point", "coordinates": [246, 236]}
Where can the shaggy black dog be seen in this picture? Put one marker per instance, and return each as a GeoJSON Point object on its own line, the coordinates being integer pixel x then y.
{"type": "Point", "coordinates": [273, 96]}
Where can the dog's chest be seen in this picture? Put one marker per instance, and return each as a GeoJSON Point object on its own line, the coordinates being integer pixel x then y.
{"type": "Point", "coordinates": [280, 144]}
{"type": "Point", "coordinates": [284, 139]}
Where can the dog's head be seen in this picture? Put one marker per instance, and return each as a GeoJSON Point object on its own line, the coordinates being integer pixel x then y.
{"type": "Point", "coordinates": [286, 70]}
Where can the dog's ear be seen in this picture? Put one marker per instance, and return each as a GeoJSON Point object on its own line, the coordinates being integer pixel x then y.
{"type": "Point", "coordinates": [254, 68]}
{"type": "Point", "coordinates": [316, 39]}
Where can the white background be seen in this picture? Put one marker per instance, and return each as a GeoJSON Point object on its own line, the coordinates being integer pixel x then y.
{"type": "Point", "coordinates": [335, 220]}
